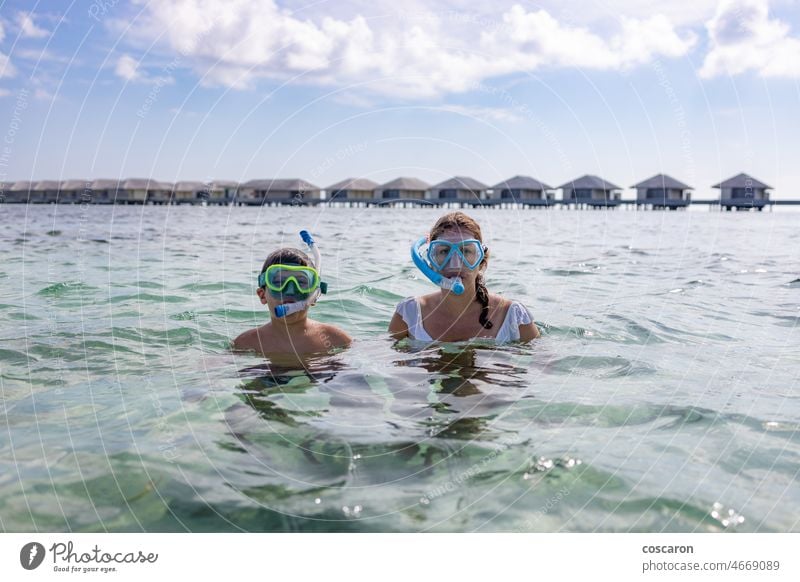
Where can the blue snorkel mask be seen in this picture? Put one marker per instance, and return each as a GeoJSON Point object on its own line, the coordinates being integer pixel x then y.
{"type": "Point", "coordinates": [469, 253]}
{"type": "Point", "coordinates": [304, 279]}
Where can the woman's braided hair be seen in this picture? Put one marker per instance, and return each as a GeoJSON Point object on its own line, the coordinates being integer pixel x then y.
{"type": "Point", "coordinates": [459, 220]}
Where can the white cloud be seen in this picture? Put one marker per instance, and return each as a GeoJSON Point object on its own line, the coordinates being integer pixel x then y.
{"type": "Point", "coordinates": [127, 68]}
{"type": "Point", "coordinates": [2, 32]}
{"type": "Point", "coordinates": [180, 111]}
{"type": "Point", "coordinates": [235, 43]}
{"type": "Point", "coordinates": [4, 92]}
{"type": "Point", "coordinates": [679, 13]}
{"type": "Point", "coordinates": [27, 26]}
{"type": "Point", "coordinates": [536, 39]}
{"type": "Point", "coordinates": [6, 68]}
{"type": "Point", "coordinates": [488, 114]}
{"type": "Point", "coordinates": [130, 69]}
{"type": "Point", "coordinates": [43, 94]}
{"type": "Point", "coordinates": [743, 37]}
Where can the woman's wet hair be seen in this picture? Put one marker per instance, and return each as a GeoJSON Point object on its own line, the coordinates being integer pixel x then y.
{"type": "Point", "coordinates": [287, 256]}
{"type": "Point", "coordinates": [460, 221]}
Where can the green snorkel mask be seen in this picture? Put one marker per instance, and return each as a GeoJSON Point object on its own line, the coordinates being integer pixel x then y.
{"type": "Point", "coordinates": [282, 279]}
{"type": "Point", "coordinates": [295, 280]}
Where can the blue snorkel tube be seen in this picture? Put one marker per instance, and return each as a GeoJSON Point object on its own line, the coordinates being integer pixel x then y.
{"type": "Point", "coordinates": [288, 308]}
{"type": "Point", "coordinates": [455, 285]}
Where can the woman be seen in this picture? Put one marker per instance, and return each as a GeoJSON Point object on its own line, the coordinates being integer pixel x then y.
{"type": "Point", "coordinates": [463, 308]}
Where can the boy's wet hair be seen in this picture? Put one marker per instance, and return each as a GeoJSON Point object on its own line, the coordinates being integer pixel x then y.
{"type": "Point", "coordinates": [287, 256]}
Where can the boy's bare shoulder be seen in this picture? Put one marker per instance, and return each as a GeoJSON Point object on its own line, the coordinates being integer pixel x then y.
{"type": "Point", "coordinates": [336, 335]}
{"type": "Point", "coordinates": [251, 339]}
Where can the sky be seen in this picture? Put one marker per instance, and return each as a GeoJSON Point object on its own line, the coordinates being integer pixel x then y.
{"type": "Point", "coordinates": [323, 90]}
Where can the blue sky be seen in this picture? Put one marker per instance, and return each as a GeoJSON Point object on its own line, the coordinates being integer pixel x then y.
{"type": "Point", "coordinates": [237, 89]}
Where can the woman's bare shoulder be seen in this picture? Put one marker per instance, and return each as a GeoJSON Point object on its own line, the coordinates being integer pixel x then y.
{"type": "Point", "coordinates": [499, 305]}
{"type": "Point", "coordinates": [499, 300]}
{"type": "Point", "coordinates": [429, 299]}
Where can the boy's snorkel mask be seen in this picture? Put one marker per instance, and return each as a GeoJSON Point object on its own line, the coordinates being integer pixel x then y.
{"type": "Point", "coordinates": [468, 253]}
{"type": "Point", "coordinates": [295, 280]}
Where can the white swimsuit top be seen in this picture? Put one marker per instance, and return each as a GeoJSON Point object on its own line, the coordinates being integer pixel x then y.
{"type": "Point", "coordinates": [409, 309]}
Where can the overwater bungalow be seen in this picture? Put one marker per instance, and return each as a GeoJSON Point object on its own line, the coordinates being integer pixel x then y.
{"type": "Point", "coordinates": [591, 190]}
{"type": "Point", "coordinates": [45, 191]}
{"type": "Point", "coordinates": [223, 192]}
{"type": "Point", "coordinates": [75, 191]}
{"type": "Point", "coordinates": [662, 191]}
{"type": "Point", "coordinates": [351, 190]}
{"type": "Point", "coordinates": [523, 189]}
{"type": "Point", "coordinates": [218, 192]}
{"type": "Point", "coordinates": [144, 190]}
{"type": "Point", "coordinates": [134, 190]}
{"type": "Point", "coordinates": [280, 191]}
{"type": "Point", "coordinates": [402, 189]}
{"type": "Point", "coordinates": [459, 189]}
{"type": "Point", "coordinates": [18, 192]}
{"type": "Point", "coordinates": [187, 192]}
{"type": "Point", "coordinates": [105, 191]}
{"type": "Point", "coordinates": [743, 191]}
{"type": "Point", "coordinates": [163, 191]}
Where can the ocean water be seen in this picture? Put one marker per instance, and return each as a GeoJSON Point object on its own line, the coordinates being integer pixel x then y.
{"type": "Point", "coordinates": [662, 396]}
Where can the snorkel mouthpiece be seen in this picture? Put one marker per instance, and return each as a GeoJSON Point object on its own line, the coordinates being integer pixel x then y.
{"type": "Point", "coordinates": [288, 308]}
{"type": "Point", "coordinates": [285, 309]}
{"type": "Point", "coordinates": [452, 284]}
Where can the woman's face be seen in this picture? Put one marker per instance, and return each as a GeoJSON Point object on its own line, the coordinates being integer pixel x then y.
{"type": "Point", "coordinates": [455, 267]}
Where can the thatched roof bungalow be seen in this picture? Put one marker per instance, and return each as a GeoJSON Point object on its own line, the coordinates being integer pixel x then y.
{"type": "Point", "coordinates": [351, 189]}
{"type": "Point", "coordinates": [743, 191]}
{"type": "Point", "coordinates": [662, 191]}
{"type": "Point", "coordinates": [17, 191]}
{"type": "Point", "coordinates": [402, 189]}
{"type": "Point", "coordinates": [135, 190]}
{"type": "Point", "coordinates": [187, 191]}
{"type": "Point", "coordinates": [223, 191]}
{"type": "Point", "coordinates": [105, 191]}
{"type": "Point", "coordinates": [158, 190]}
{"type": "Point", "coordinates": [460, 189]}
{"type": "Point", "coordinates": [592, 191]}
{"type": "Point", "coordinates": [260, 191]}
{"type": "Point", "coordinates": [45, 191]}
{"type": "Point", "coordinates": [75, 191]}
{"type": "Point", "coordinates": [523, 189]}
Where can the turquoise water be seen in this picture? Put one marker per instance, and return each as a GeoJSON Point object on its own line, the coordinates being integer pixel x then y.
{"type": "Point", "coordinates": [663, 395]}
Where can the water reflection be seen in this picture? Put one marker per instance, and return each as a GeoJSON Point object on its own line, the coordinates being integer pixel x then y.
{"type": "Point", "coordinates": [468, 385]}
{"type": "Point", "coordinates": [264, 385]}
